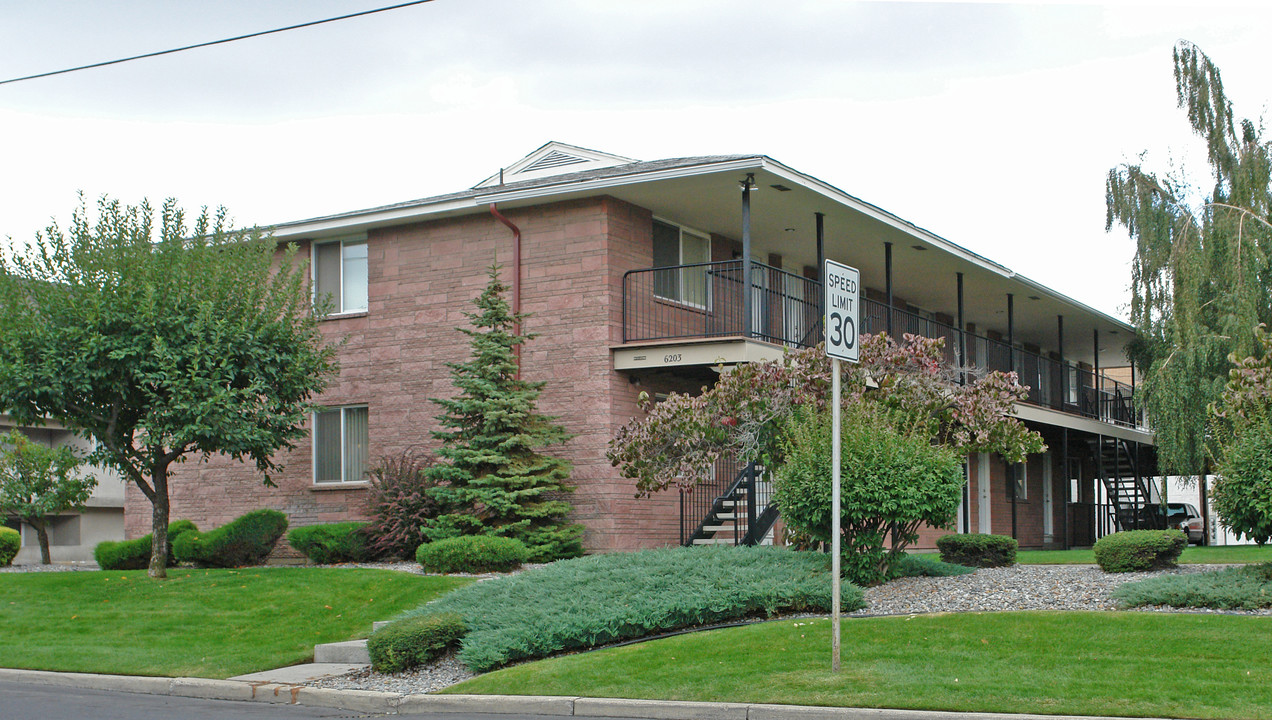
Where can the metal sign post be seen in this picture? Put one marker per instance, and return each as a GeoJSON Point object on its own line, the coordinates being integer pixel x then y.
{"type": "Point", "coordinates": [842, 303]}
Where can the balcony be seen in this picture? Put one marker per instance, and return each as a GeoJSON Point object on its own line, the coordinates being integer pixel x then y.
{"type": "Point", "coordinates": [683, 304]}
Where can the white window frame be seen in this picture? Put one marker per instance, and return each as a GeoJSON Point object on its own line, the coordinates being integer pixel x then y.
{"type": "Point", "coordinates": [338, 298]}
{"type": "Point", "coordinates": [344, 440]}
{"type": "Point", "coordinates": [680, 258]}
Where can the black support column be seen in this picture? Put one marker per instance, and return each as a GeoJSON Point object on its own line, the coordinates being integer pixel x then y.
{"type": "Point", "coordinates": [962, 335]}
{"type": "Point", "coordinates": [1064, 364]}
{"type": "Point", "coordinates": [821, 269]}
{"type": "Point", "coordinates": [887, 275]}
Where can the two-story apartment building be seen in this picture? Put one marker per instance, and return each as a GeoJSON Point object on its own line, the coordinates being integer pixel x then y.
{"type": "Point", "coordinates": [648, 276]}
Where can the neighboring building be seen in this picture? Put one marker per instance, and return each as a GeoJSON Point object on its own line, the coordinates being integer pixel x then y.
{"type": "Point", "coordinates": [645, 276]}
{"type": "Point", "coordinates": [72, 535]}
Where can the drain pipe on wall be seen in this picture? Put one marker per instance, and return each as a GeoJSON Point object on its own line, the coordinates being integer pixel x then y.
{"type": "Point", "coordinates": [516, 278]}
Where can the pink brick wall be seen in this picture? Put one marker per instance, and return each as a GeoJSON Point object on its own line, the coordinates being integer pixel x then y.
{"type": "Point", "coordinates": [422, 278]}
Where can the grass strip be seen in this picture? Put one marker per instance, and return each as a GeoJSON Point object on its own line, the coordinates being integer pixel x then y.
{"type": "Point", "coordinates": [197, 623]}
{"type": "Point", "coordinates": [1080, 663]}
{"type": "Point", "coordinates": [1211, 555]}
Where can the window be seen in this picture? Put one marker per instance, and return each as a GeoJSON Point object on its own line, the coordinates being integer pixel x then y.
{"type": "Point", "coordinates": [340, 272]}
{"type": "Point", "coordinates": [340, 445]}
{"type": "Point", "coordinates": [674, 245]}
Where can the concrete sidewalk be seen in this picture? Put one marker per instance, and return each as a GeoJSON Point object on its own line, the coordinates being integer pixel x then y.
{"type": "Point", "coordinates": [551, 706]}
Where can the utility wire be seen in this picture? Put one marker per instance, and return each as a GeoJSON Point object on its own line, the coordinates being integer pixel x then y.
{"type": "Point", "coordinates": [214, 42]}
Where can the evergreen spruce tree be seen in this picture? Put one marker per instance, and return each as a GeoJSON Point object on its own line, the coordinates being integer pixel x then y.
{"type": "Point", "coordinates": [492, 480]}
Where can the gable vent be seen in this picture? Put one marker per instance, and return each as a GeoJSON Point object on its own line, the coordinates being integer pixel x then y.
{"type": "Point", "coordinates": [556, 158]}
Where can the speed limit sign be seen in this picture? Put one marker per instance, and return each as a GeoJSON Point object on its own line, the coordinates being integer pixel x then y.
{"type": "Point", "coordinates": [843, 311]}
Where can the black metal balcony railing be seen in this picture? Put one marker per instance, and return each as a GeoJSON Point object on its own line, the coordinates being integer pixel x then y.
{"type": "Point", "coordinates": [704, 300]}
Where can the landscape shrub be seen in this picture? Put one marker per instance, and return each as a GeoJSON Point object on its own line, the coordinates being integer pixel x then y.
{"type": "Point", "coordinates": [892, 480]}
{"type": "Point", "coordinates": [472, 554]}
{"type": "Point", "coordinates": [1248, 587]}
{"type": "Point", "coordinates": [246, 540]}
{"type": "Point", "coordinates": [333, 542]}
{"type": "Point", "coordinates": [414, 641]}
{"type": "Point", "coordinates": [1135, 550]}
{"type": "Point", "coordinates": [135, 554]}
{"type": "Point", "coordinates": [978, 550]}
{"type": "Point", "coordinates": [926, 566]}
{"type": "Point", "coordinates": [399, 502]}
{"type": "Point", "coordinates": [601, 599]}
{"type": "Point", "coordinates": [10, 542]}
{"type": "Point", "coordinates": [1242, 491]}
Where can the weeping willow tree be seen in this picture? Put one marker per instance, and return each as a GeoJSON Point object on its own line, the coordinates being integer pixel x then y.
{"type": "Point", "coordinates": [1200, 277]}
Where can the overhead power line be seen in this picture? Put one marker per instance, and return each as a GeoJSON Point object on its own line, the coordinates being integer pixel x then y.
{"type": "Point", "coordinates": [215, 42]}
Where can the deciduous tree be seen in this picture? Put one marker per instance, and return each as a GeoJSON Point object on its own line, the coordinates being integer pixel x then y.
{"type": "Point", "coordinates": [747, 412]}
{"type": "Point", "coordinates": [39, 482]}
{"type": "Point", "coordinates": [162, 343]}
{"type": "Point", "coordinates": [1201, 276]}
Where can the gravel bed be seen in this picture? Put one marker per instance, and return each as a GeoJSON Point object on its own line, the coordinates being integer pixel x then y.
{"type": "Point", "coordinates": [1019, 587]}
{"type": "Point", "coordinates": [441, 673]}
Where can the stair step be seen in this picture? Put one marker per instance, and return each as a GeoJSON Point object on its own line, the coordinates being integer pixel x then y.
{"type": "Point", "coordinates": [713, 541]}
{"type": "Point", "coordinates": [723, 528]}
{"type": "Point", "coordinates": [351, 651]}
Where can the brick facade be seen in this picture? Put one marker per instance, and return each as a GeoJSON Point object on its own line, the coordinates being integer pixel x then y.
{"type": "Point", "coordinates": [422, 278]}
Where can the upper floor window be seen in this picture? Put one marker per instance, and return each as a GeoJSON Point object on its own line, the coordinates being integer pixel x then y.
{"type": "Point", "coordinates": [340, 271]}
{"type": "Point", "coordinates": [340, 441]}
{"type": "Point", "coordinates": [674, 245]}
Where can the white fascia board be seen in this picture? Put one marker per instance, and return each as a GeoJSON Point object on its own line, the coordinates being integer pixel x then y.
{"type": "Point", "coordinates": [372, 218]}
{"type": "Point", "coordinates": [883, 216]}
{"type": "Point", "coordinates": [348, 224]}
{"type": "Point", "coordinates": [748, 163]}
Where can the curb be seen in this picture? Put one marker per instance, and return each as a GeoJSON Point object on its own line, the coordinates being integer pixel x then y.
{"type": "Point", "coordinates": [546, 705]}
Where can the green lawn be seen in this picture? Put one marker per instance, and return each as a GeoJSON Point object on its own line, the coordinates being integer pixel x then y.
{"type": "Point", "coordinates": [1213, 555]}
{"type": "Point", "coordinates": [1124, 664]}
{"type": "Point", "coordinates": [200, 623]}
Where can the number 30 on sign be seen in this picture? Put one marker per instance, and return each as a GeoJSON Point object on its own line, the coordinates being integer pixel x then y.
{"type": "Point", "coordinates": [843, 311]}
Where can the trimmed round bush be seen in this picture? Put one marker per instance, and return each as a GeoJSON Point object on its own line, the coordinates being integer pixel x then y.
{"type": "Point", "coordinates": [977, 550]}
{"type": "Point", "coordinates": [10, 542]}
{"type": "Point", "coordinates": [333, 543]}
{"type": "Point", "coordinates": [246, 540]}
{"type": "Point", "coordinates": [135, 554]}
{"type": "Point", "coordinates": [414, 641]}
{"type": "Point", "coordinates": [1137, 550]}
{"type": "Point", "coordinates": [472, 554]}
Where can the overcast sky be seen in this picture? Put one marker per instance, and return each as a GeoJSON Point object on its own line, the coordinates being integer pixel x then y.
{"type": "Point", "coordinates": [992, 125]}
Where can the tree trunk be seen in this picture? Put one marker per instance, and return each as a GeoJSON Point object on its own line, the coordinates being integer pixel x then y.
{"type": "Point", "coordinates": [159, 523]}
{"type": "Point", "coordinates": [42, 532]}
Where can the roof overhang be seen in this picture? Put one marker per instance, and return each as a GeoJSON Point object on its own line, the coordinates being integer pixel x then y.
{"type": "Point", "coordinates": [704, 194]}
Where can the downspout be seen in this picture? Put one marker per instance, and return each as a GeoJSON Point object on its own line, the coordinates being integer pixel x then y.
{"type": "Point", "coordinates": [516, 281]}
